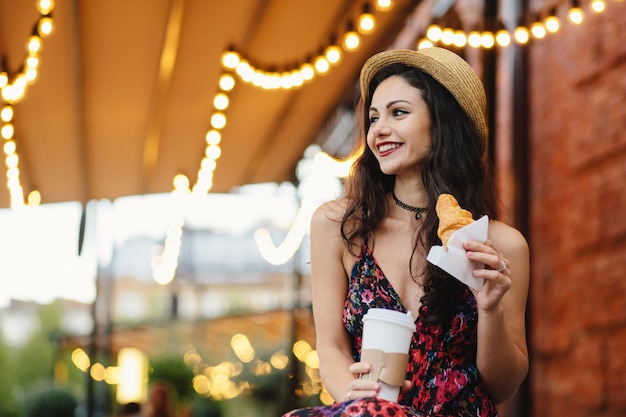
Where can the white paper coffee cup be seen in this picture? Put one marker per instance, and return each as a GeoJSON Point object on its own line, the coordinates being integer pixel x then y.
{"type": "Point", "coordinates": [391, 332]}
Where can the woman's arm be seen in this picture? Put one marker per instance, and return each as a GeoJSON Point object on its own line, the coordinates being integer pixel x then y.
{"type": "Point", "coordinates": [329, 282]}
{"type": "Point", "coordinates": [502, 354]}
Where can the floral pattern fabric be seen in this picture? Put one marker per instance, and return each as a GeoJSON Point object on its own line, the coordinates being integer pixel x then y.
{"type": "Point", "coordinates": [442, 359]}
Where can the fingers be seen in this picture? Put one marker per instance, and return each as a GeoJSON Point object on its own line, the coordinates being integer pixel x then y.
{"type": "Point", "coordinates": [361, 386]}
{"type": "Point", "coordinates": [359, 368]}
{"type": "Point", "coordinates": [487, 255]}
{"type": "Point", "coordinates": [406, 386]}
{"type": "Point", "coordinates": [496, 273]}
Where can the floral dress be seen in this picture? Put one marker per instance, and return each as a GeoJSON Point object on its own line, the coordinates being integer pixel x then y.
{"type": "Point", "coordinates": [442, 361]}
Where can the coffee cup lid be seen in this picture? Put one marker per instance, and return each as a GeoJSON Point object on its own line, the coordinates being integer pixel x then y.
{"type": "Point", "coordinates": [404, 319]}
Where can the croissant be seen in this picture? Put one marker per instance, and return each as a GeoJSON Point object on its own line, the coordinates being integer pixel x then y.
{"type": "Point", "coordinates": [451, 217]}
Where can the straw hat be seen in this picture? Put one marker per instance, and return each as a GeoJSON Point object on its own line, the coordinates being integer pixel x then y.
{"type": "Point", "coordinates": [444, 66]}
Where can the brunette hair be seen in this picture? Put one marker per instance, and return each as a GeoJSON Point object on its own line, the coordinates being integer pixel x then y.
{"type": "Point", "coordinates": [456, 165]}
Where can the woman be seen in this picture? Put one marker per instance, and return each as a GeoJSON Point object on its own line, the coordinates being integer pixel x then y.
{"type": "Point", "coordinates": [424, 134]}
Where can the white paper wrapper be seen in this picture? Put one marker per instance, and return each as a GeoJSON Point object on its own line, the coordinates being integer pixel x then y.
{"type": "Point", "coordinates": [454, 260]}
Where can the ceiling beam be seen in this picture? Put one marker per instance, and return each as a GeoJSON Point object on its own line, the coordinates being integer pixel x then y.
{"type": "Point", "coordinates": [167, 62]}
{"type": "Point", "coordinates": [79, 78]}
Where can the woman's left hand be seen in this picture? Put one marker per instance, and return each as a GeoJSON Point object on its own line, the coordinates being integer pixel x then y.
{"type": "Point", "coordinates": [496, 274]}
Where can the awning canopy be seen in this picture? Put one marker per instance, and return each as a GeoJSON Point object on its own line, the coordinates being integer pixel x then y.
{"type": "Point", "coordinates": [125, 89]}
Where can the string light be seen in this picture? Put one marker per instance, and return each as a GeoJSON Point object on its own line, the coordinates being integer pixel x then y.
{"type": "Point", "coordinates": [521, 35]}
{"type": "Point", "coordinates": [45, 27]}
{"type": "Point", "coordinates": [575, 15]}
{"type": "Point", "coordinates": [434, 33]}
{"type": "Point", "coordinates": [597, 6]}
{"type": "Point", "coordinates": [218, 120]}
{"type": "Point", "coordinates": [13, 89]}
{"type": "Point", "coordinates": [226, 82]}
{"type": "Point", "coordinates": [384, 5]}
{"type": "Point", "coordinates": [321, 65]}
{"type": "Point", "coordinates": [447, 36]}
{"type": "Point", "coordinates": [230, 59]}
{"type": "Point", "coordinates": [539, 29]}
{"type": "Point", "coordinates": [351, 39]}
{"type": "Point", "coordinates": [424, 43]}
{"type": "Point", "coordinates": [503, 38]}
{"type": "Point", "coordinates": [294, 77]}
{"type": "Point", "coordinates": [366, 20]}
{"type": "Point", "coordinates": [474, 39]}
{"type": "Point", "coordinates": [552, 22]}
{"type": "Point", "coordinates": [221, 101]}
{"type": "Point", "coordinates": [45, 7]}
{"type": "Point", "coordinates": [487, 40]}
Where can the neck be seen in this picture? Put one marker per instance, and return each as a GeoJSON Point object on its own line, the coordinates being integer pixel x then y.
{"type": "Point", "coordinates": [417, 210]}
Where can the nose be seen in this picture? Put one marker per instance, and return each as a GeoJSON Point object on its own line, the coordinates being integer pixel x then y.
{"type": "Point", "coordinates": [380, 128]}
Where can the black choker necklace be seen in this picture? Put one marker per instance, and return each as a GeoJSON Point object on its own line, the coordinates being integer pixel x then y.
{"type": "Point", "coordinates": [416, 210]}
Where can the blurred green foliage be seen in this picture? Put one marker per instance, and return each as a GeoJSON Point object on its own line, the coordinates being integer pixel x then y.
{"type": "Point", "coordinates": [51, 401]}
{"type": "Point", "coordinates": [28, 369]}
{"type": "Point", "coordinates": [176, 373]}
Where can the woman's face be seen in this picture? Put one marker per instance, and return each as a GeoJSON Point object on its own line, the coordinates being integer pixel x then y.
{"type": "Point", "coordinates": [399, 132]}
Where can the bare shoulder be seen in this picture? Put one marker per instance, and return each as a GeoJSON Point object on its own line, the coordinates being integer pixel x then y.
{"type": "Point", "coordinates": [507, 238]}
{"type": "Point", "coordinates": [328, 216]}
{"type": "Point", "coordinates": [514, 248]}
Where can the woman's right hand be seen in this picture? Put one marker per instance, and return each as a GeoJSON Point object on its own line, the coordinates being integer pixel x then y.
{"type": "Point", "coordinates": [361, 387]}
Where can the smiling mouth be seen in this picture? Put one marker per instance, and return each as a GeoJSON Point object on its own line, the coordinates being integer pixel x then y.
{"type": "Point", "coordinates": [388, 147]}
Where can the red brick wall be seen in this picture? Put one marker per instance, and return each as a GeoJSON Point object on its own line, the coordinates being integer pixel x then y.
{"type": "Point", "coordinates": [577, 99]}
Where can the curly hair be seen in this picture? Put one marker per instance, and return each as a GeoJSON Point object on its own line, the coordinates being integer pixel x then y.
{"type": "Point", "coordinates": [456, 165]}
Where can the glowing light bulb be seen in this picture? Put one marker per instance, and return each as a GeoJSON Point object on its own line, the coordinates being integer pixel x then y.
{"type": "Point", "coordinates": [460, 40]}
{"type": "Point", "coordinates": [7, 131]}
{"type": "Point", "coordinates": [538, 30]}
{"type": "Point", "coordinates": [488, 41]}
{"type": "Point", "coordinates": [384, 5]}
{"type": "Point", "coordinates": [597, 6]}
{"type": "Point", "coordinates": [230, 59]}
{"type": "Point", "coordinates": [244, 70]}
{"type": "Point", "coordinates": [181, 182]}
{"type": "Point", "coordinates": [503, 38]}
{"type": "Point", "coordinates": [286, 80]}
{"type": "Point", "coordinates": [424, 43]}
{"type": "Point", "coordinates": [474, 39]}
{"type": "Point", "coordinates": [34, 44]}
{"type": "Point", "coordinates": [367, 23]}
{"type": "Point", "coordinates": [46, 27]}
{"type": "Point", "coordinates": [575, 15]}
{"type": "Point", "coordinates": [34, 198]}
{"type": "Point", "coordinates": [213, 137]}
{"type": "Point", "coordinates": [296, 78]}
{"type": "Point", "coordinates": [351, 40]}
{"type": "Point", "coordinates": [307, 71]}
{"type": "Point", "coordinates": [6, 114]}
{"type": "Point", "coordinates": [9, 147]}
{"type": "Point", "coordinates": [433, 33]}
{"type": "Point", "coordinates": [213, 152]}
{"type": "Point", "coordinates": [218, 120]}
{"type": "Point", "coordinates": [447, 36]}
{"type": "Point", "coordinates": [333, 54]}
{"type": "Point", "coordinates": [44, 7]}
{"type": "Point", "coordinates": [227, 82]}
{"type": "Point", "coordinates": [220, 101]}
{"type": "Point", "coordinates": [552, 24]}
{"type": "Point", "coordinates": [321, 65]}
{"type": "Point", "coordinates": [521, 35]}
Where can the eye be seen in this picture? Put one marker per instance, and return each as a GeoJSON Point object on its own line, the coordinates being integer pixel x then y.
{"type": "Point", "coordinates": [399, 112]}
{"type": "Point", "coordinates": [373, 118]}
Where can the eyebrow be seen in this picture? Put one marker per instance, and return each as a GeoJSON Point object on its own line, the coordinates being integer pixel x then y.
{"type": "Point", "coordinates": [391, 103]}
